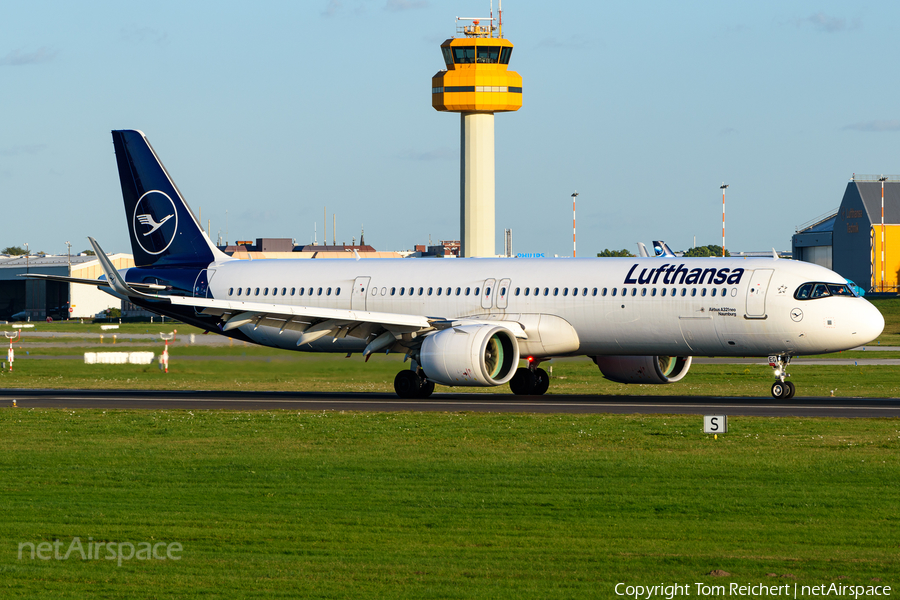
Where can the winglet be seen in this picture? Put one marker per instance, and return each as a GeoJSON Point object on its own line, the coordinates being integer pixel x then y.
{"type": "Point", "coordinates": [112, 275]}
{"type": "Point", "coordinates": [774, 254]}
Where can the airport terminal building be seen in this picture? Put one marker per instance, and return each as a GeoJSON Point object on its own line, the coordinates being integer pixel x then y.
{"type": "Point", "coordinates": [852, 240]}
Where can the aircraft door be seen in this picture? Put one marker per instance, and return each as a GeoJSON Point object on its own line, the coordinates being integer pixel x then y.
{"type": "Point", "coordinates": [487, 293]}
{"type": "Point", "coordinates": [756, 293]}
{"type": "Point", "coordinates": [360, 290]}
{"type": "Point", "coordinates": [201, 284]}
{"type": "Point", "coordinates": [503, 293]}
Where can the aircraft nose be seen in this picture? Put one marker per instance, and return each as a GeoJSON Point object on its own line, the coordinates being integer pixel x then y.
{"type": "Point", "coordinates": [869, 323]}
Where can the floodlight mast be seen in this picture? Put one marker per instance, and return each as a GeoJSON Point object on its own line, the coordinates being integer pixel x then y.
{"type": "Point", "coordinates": [882, 179]}
{"type": "Point", "coordinates": [574, 196]}
{"type": "Point", "coordinates": [723, 187]}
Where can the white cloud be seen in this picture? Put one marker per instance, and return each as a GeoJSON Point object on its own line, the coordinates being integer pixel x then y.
{"type": "Point", "coordinates": [398, 5]}
{"type": "Point", "coordinates": [332, 8]}
{"type": "Point", "coordinates": [876, 126]}
{"type": "Point", "coordinates": [17, 58]}
{"type": "Point", "coordinates": [829, 24]}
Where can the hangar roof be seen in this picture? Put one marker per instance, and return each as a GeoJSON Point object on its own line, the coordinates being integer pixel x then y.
{"type": "Point", "coordinates": [870, 191]}
{"type": "Point", "coordinates": [42, 261]}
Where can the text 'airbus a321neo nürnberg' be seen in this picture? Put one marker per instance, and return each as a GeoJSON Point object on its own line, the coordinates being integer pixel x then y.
{"type": "Point", "coordinates": [469, 322]}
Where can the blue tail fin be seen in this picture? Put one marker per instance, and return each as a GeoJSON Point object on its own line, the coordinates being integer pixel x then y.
{"type": "Point", "coordinates": [164, 231]}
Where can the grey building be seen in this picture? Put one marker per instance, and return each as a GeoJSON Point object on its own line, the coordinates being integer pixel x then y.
{"type": "Point", "coordinates": [849, 240]}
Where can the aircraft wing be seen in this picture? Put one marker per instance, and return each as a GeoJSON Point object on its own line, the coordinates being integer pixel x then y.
{"type": "Point", "coordinates": [314, 322]}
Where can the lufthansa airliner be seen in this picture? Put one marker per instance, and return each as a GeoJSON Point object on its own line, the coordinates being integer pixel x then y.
{"type": "Point", "coordinates": [472, 322]}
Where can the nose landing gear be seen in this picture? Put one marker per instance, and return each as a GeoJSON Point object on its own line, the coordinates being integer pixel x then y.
{"type": "Point", "coordinates": [781, 389]}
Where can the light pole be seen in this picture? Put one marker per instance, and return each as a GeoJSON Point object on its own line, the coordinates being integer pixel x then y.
{"type": "Point", "coordinates": [69, 286]}
{"type": "Point", "coordinates": [723, 187]}
{"type": "Point", "coordinates": [27, 254]}
{"type": "Point", "coordinates": [882, 179]}
{"type": "Point", "coordinates": [574, 195]}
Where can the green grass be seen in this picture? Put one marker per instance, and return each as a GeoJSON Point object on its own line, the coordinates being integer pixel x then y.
{"type": "Point", "coordinates": [362, 505]}
{"type": "Point", "coordinates": [890, 309]}
{"type": "Point", "coordinates": [291, 372]}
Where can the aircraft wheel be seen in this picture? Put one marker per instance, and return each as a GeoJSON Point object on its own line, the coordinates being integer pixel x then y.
{"type": "Point", "coordinates": [523, 382]}
{"type": "Point", "coordinates": [407, 384]}
{"type": "Point", "coordinates": [791, 389]}
{"type": "Point", "coordinates": [779, 390]}
{"type": "Point", "coordinates": [542, 382]}
{"type": "Point", "coordinates": [426, 390]}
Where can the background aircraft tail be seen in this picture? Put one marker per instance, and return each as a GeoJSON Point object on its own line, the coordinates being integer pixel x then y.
{"type": "Point", "coordinates": [164, 231]}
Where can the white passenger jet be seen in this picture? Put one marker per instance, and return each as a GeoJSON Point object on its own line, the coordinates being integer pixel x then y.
{"type": "Point", "coordinates": [470, 322]}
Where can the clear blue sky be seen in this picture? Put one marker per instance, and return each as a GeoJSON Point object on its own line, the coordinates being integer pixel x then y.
{"type": "Point", "coordinates": [273, 110]}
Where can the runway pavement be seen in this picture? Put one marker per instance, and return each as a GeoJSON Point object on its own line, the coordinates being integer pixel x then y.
{"type": "Point", "coordinates": [699, 405]}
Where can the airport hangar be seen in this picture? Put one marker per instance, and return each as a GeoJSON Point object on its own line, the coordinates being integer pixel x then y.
{"type": "Point", "coordinates": [41, 299]}
{"type": "Point", "coordinates": [852, 241]}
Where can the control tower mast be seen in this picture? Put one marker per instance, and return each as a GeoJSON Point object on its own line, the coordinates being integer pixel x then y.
{"type": "Point", "coordinates": [477, 84]}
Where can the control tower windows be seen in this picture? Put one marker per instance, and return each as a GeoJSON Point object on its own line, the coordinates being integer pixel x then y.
{"type": "Point", "coordinates": [488, 54]}
{"type": "Point", "coordinates": [464, 55]}
{"type": "Point", "coordinates": [485, 55]}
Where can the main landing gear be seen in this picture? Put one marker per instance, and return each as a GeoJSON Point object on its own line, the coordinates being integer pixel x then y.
{"type": "Point", "coordinates": [411, 384]}
{"type": "Point", "coordinates": [529, 381]}
{"type": "Point", "coordinates": [781, 389]}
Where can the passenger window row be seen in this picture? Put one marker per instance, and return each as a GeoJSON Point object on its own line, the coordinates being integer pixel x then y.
{"type": "Point", "coordinates": [431, 291]}
{"type": "Point", "coordinates": [805, 292]}
{"type": "Point", "coordinates": [615, 291]}
{"type": "Point", "coordinates": [284, 291]}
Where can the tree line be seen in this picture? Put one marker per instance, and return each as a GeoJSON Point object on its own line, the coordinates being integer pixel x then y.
{"type": "Point", "coordinates": [19, 251]}
{"type": "Point", "coordinates": [709, 250]}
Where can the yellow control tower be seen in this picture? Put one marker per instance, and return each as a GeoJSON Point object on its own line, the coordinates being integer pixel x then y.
{"type": "Point", "coordinates": [477, 84]}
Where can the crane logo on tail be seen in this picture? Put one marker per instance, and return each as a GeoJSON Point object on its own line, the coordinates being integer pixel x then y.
{"type": "Point", "coordinates": [148, 220]}
{"type": "Point", "coordinates": [155, 222]}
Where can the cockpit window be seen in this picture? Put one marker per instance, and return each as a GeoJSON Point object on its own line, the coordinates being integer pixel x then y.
{"type": "Point", "coordinates": [839, 290]}
{"type": "Point", "coordinates": [813, 291]}
{"type": "Point", "coordinates": [820, 290]}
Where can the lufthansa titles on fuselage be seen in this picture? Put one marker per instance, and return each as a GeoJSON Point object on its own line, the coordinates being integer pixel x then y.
{"type": "Point", "coordinates": [681, 275]}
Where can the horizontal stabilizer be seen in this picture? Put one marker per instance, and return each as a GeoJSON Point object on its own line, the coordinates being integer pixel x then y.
{"type": "Point", "coordinates": [96, 282]}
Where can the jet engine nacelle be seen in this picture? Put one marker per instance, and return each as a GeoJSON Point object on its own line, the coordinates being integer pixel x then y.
{"type": "Point", "coordinates": [470, 355]}
{"type": "Point", "coordinates": [643, 369]}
